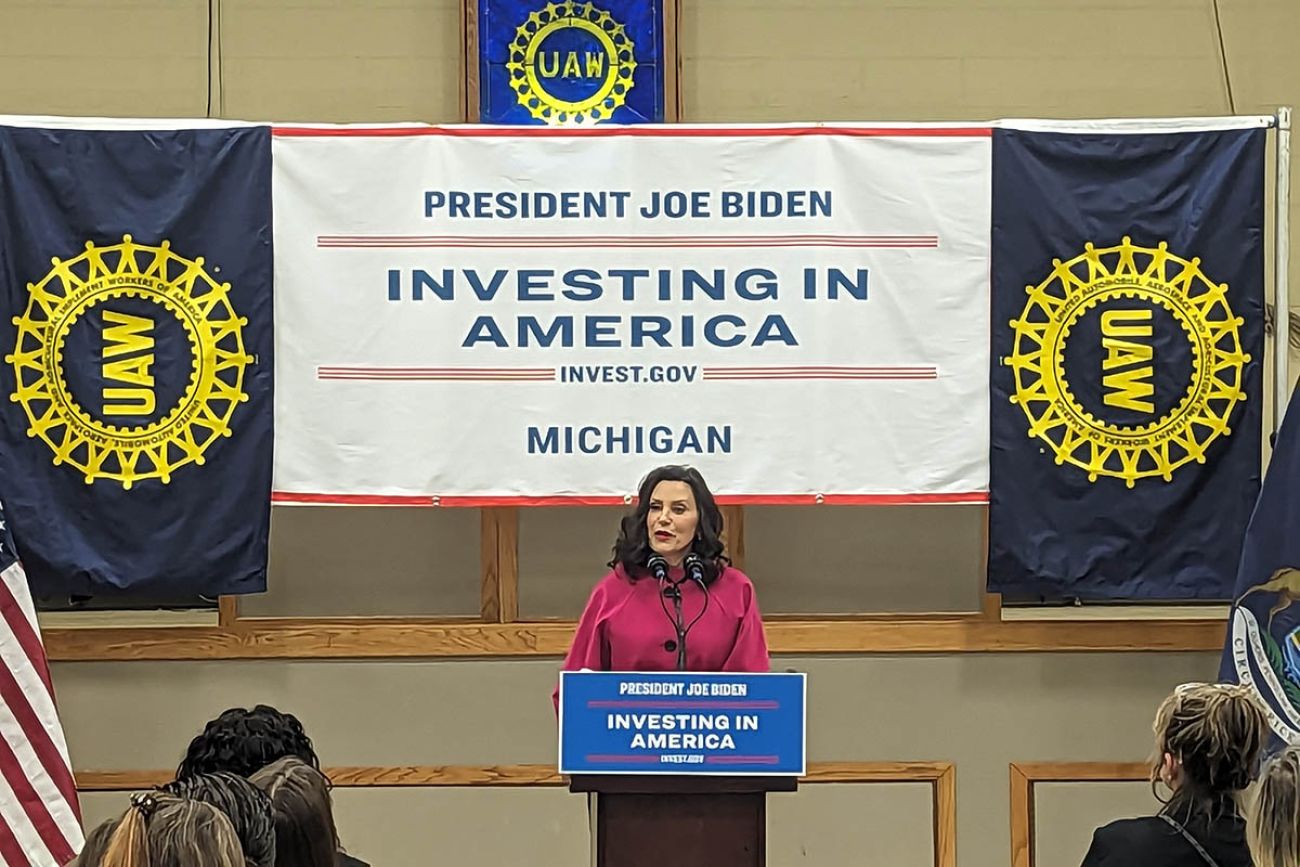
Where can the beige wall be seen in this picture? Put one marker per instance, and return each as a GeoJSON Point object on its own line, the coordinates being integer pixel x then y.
{"type": "Point", "coordinates": [743, 60]}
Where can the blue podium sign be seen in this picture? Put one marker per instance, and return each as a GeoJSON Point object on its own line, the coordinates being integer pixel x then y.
{"type": "Point", "coordinates": [682, 723]}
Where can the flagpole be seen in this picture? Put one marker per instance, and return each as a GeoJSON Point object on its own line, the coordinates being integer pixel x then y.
{"type": "Point", "coordinates": [1281, 269]}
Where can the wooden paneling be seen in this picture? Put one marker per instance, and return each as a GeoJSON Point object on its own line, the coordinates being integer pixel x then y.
{"type": "Point", "coordinates": [1025, 774]}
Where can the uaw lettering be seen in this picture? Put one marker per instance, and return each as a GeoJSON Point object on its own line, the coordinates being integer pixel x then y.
{"type": "Point", "coordinates": [129, 362]}
{"type": "Point", "coordinates": [571, 62]}
{"type": "Point", "coordinates": [1128, 362]}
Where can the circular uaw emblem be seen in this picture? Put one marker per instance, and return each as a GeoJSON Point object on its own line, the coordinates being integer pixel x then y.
{"type": "Point", "coordinates": [129, 361]}
{"type": "Point", "coordinates": [571, 64]}
{"type": "Point", "coordinates": [1127, 362]}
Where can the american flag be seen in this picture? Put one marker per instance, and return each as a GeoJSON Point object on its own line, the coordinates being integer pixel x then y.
{"type": "Point", "coordinates": [40, 825]}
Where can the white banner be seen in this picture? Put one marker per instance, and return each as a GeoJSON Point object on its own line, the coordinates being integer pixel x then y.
{"type": "Point", "coordinates": [481, 315]}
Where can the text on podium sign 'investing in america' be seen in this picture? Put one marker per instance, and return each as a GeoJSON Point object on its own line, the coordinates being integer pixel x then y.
{"type": "Point", "coordinates": [682, 723]}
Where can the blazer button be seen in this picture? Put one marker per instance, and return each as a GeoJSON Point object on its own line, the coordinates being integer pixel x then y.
{"type": "Point", "coordinates": [670, 645]}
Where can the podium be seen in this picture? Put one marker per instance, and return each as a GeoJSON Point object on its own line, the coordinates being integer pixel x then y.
{"type": "Point", "coordinates": [682, 820]}
{"type": "Point", "coordinates": [678, 765]}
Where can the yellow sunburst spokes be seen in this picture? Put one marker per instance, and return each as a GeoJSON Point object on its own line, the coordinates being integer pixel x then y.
{"type": "Point", "coordinates": [174, 436]}
{"type": "Point", "coordinates": [1076, 434]}
{"type": "Point", "coordinates": [613, 66]}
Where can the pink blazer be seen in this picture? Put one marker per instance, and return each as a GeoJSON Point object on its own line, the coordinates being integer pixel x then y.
{"type": "Point", "coordinates": [625, 628]}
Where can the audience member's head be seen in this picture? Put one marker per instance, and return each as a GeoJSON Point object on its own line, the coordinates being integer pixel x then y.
{"type": "Point", "coordinates": [242, 741]}
{"type": "Point", "coordinates": [1273, 821]}
{"type": "Point", "coordinates": [92, 853]}
{"type": "Point", "coordinates": [1208, 743]}
{"type": "Point", "coordinates": [305, 835]}
{"type": "Point", "coordinates": [164, 831]}
{"type": "Point", "coordinates": [243, 803]}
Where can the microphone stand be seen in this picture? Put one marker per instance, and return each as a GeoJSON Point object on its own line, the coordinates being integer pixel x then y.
{"type": "Point", "coordinates": [680, 624]}
{"type": "Point", "coordinates": [695, 573]}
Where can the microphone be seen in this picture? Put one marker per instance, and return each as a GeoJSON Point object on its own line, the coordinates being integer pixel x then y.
{"type": "Point", "coordinates": [695, 570]}
{"type": "Point", "coordinates": [658, 567]}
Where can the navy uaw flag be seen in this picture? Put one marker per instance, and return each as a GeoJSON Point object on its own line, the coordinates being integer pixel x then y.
{"type": "Point", "coordinates": [571, 62]}
{"type": "Point", "coordinates": [136, 383]}
{"type": "Point", "coordinates": [1127, 281]}
{"type": "Point", "coordinates": [1263, 646]}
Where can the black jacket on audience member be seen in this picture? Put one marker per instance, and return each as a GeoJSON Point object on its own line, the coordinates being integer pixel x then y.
{"type": "Point", "coordinates": [346, 860]}
{"type": "Point", "coordinates": [1153, 842]}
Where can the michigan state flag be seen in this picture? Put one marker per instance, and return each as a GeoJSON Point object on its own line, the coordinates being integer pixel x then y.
{"type": "Point", "coordinates": [1127, 281]}
{"type": "Point", "coordinates": [136, 415]}
{"type": "Point", "coordinates": [1263, 647]}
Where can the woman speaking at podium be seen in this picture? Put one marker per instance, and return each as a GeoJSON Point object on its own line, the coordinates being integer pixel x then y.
{"type": "Point", "coordinates": [672, 601]}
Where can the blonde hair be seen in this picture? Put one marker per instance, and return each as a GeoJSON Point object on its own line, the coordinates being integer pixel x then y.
{"type": "Point", "coordinates": [163, 831]}
{"type": "Point", "coordinates": [92, 853]}
{"type": "Point", "coordinates": [1273, 820]}
{"type": "Point", "coordinates": [1216, 732]}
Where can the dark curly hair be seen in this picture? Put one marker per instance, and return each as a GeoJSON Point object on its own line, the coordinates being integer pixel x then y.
{"type": "Point", "coordinates": [243, 741]}
{"type": "Point", "coordinates": [247, 807]}
{"type": "Point", "coordinates": [633, 546]}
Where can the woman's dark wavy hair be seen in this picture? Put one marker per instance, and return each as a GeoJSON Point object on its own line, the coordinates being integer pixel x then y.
{"type": "Point", "coordinates": [633, 546]}
{"type": "Point", "coordinates": [247, 807]}
{"type": "Point", "coordinates": [243, 741]}
{"type": "Point", "coordinates": [305, 834]}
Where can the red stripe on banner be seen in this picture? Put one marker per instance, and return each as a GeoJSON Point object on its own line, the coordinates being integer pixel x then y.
{"type": "Point", "coordinates": [631, 131]}
{"type": "Point", "coordinates": [586, 243]}
{"type": "Point", "coordinates": [680, 705]}
{"type": "Point", "coordinates": [742, 760]}
{"type": "Point", "coordinates": [773, 377]}
{"type": "Point", "coordinates": [564, 239]}
{"type": "Point", "coordinates": [10, 849]}
{"type": "Point", "coordinates": [465, 502]}
{"type": "Point", "coordinates": [442, 377]}
{"type": "Point", "coordinates": [632, 760]}
{"type": "Point", "coordinates": [825, 368]}
{"type": "Point", "coordinates": [372, 368]}
{"type": "Point", "coordinates": [34, 807]}
{"type": "Point", "coordinates": [601, 246]}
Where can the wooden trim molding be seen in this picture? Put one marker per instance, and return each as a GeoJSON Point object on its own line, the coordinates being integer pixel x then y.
{"type": "Point", "coordinates": [227, 611]}
{"type": "Point", "coordinates": [369, 638]}
{"type": "Point", "coordinates": [469, 68]}
{"type": "Point", "coordinates": [499, 541]}
{"type": "Point", "coordinates": [733, 534]}
{"type": "Point", "coordinates": [942, 776]}
{"type": "Point", "coordinates": [1025, 774]}
{"type": "Point", "coordinates": [672, 62]}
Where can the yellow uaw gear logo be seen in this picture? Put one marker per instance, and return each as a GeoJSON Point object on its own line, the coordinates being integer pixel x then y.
{"type": "Point", "coordinates": [111, 282]}
{"type": "Point", "coordinates": [1118, 295]}
{"type": "Point", "coordinates": [571, 64]}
